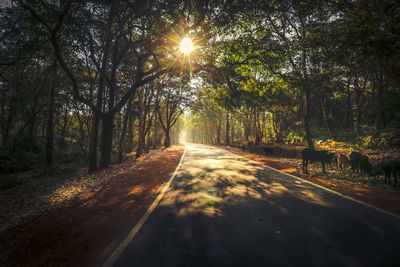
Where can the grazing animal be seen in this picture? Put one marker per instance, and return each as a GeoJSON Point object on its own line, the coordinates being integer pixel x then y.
{"type": "Point", "coordinates": [360, 163]}
{"type": "Point", "coordinates": [312, 155]}
{"type": "Point", "coordinates": [388, 168]}
{"type": "Point", "coordinates": [267, 150]}
{"type": "Point", "coordinates": [247, 145]}
{"type": "Point", "coordinates": [342, 161]}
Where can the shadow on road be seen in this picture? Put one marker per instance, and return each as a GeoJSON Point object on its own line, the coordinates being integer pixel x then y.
{"type": "Point", "coordinates": [223, 210]}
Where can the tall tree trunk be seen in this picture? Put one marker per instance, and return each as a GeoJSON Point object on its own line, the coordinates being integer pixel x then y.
{"type": "Point", "coordinates": [246, 127]}
{"type": "Point", "coordinates": [227, 141]}
{"type": "Point", "coordinates": [325, 114]}
{"type": "Point", "coordinates": [93, 139]}
{"type": "Point", "coordinates": [125, 124]}
{"type": "Point", "coordinates": [32, 128]}
{"type": "Point", "coordinates": [307, 128]}
{"type": "Point", "coordinates": [50, 118]}
{"type": "Point", "coordinates": [232, 133]}
{"type": "Point", "coordinates": [275, 127]}
{"type": "Point", "coordinates": [256, 131]}
{"type": "Point", "coordinates": [107, 126]}
{"type": "Point", "coordinates": [167, 142]}
{"type": "Point", "coordinates": [139, 148]}
{"type": "Point", "coordinates": [65, 123]}
{"type": "Point", "coordinates": [99, 102]}
{"type": "Point", "coordinates": [359, 105]}
{"type": "Point", "coordinates": [129, 137]}
{"type": "Point", "coordinates": [347, 114]}
{"type": "Point", "coordinates": [379, 112]}
{"type": "Point", "coordinates": [156, 140]}
{"type": "Point", "coordinates": [219, 132]}
{"type": "Point", "coordinates": [142, 123]}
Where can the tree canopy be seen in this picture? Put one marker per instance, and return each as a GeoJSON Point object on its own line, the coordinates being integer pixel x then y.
{"type": "Point", "coordinates": [88, 78]}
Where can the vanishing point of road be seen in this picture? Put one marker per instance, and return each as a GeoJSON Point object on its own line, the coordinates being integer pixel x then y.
{"type": "Point", "coordinates": [224, 210]}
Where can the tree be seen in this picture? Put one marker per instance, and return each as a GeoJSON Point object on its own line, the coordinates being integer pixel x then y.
{"type": "Point", "coordinates": [175, 97]}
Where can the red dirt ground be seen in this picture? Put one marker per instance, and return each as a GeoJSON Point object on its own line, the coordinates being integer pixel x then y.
{"type": "Point", "coordinates": [74, 235]}
{"type": "Point", "coordinates": [369, 194]}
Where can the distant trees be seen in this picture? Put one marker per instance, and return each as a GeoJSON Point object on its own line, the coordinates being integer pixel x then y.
{"type": "Point", "coordinates": [319, 65]}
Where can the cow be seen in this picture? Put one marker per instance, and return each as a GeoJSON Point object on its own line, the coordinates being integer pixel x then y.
{"type": "Point", "coordinates": [267, 150]}
{"type": "Point", "coordinates": [360, 163]}
{"type": "Point", "coordinates": [388, 168]}
{"type": "Point", "coordinates": [342, 160]}
{"type": "Point", "coordinates": [312, 155]}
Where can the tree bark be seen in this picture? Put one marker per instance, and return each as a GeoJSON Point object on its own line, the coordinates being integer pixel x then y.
{"type": "Point", "coordinates": [359, 101]}
{"type": "Point", "coordinates": [107, 125]}
{"type": "Point", "coordinates": [125, 124]}
{"type": "Point", "coordinates": [219, 132]}
{"type": "Point", "coordinates": [227, 141]}
{"type": "Point", "coordinates": [347, 114]}
{"type": "Point", "coordinates": [167, 142]}
{"type": "Point", "coordinates": [379, 111]}
{"type": "Point", "coordinates": [93, 139]}
{"type": "Point", "coordinates": [256, 131]}
{"type": "Point", "coordinates": [50, 118]}
{"type": "Point", "coordinates": [156, 140]}
{"type": "Point", "coordinates": [325, 114]}
{"type": "Point", "coordinates": [129, 137]}
{"type": "Point", "coordinates": [307, 129]}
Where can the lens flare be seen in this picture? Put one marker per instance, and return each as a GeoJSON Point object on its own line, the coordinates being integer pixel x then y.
{"type": "Point", "coordinates": [186, 46]}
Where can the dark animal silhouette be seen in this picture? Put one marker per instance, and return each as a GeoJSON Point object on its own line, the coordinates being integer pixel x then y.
{"type": "Point", "coordinates": [360, 163]}
{"type": "Point", "coordinates": [267, 150]}
{"type": "Point", "coordinates": [388, 168]}
{"type": "Point", "coordinates": [312, 155]}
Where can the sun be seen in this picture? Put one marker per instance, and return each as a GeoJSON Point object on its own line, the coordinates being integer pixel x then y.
{"type": "Point", "coordinates": [186, 46]}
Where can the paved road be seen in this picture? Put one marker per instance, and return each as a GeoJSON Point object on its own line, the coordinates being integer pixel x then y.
{"type": "Point", "coordinates": [223, 210]}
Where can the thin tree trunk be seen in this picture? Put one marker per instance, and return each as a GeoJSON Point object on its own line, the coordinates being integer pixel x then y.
{"type": "Point", "coordinates": [64, 128]}
{"type": "Point", "coordinates": [125, 124]}
{"type": "Point", "coordinates": [359, 101]}
{"type": "Point", "coordinates": [107, 125]}
{"type": "Point", "coordinates": [93, 139]}
{"type": "Point", "coordinates": [50, 118]}
{"type": "Point", "coordinates": [347, 114]}
{"type": "Point", "coordinates": [307, 128]}
{"type": "Point", "coordinates": [256, 132]}
{"type": "Point", "coordinates": [379, 112]}
{"type": "Point", "coordinates": [129, 141]}
{"type": "Point", "coordinates": [99, 102]}
{"type": "Point", "coordinates": [325, 114]}
{"type": "Point", "coordinates": [219, 132]}
{"type": "Point", "coordinates": [155, 132]}
{"type": "Point", "coordinates": [227, 141]}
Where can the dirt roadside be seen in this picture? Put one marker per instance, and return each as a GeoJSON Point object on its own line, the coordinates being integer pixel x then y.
{"type": "Point", "coordinates": [73, 235]}
{"type": "Point", "coordinates": [376, 196]}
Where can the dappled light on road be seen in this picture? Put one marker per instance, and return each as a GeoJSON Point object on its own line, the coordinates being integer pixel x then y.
{"type": "Point", "coordinates": [225, 210]}
{"type": "Point", "coordinates": [209, 184]}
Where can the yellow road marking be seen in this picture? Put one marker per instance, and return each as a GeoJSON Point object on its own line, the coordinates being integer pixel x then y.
{"type": "Point", "coordinates": [121, 248]}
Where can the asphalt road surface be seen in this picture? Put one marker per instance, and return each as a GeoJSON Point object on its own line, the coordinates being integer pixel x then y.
{"type": "Point", "coordinates": [224, 210]}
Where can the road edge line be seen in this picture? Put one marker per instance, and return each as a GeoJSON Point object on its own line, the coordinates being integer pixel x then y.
{"type": "Point", "coordinates": [123, 245]}
{"type": "Point", "coordinates": [395, 215]}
